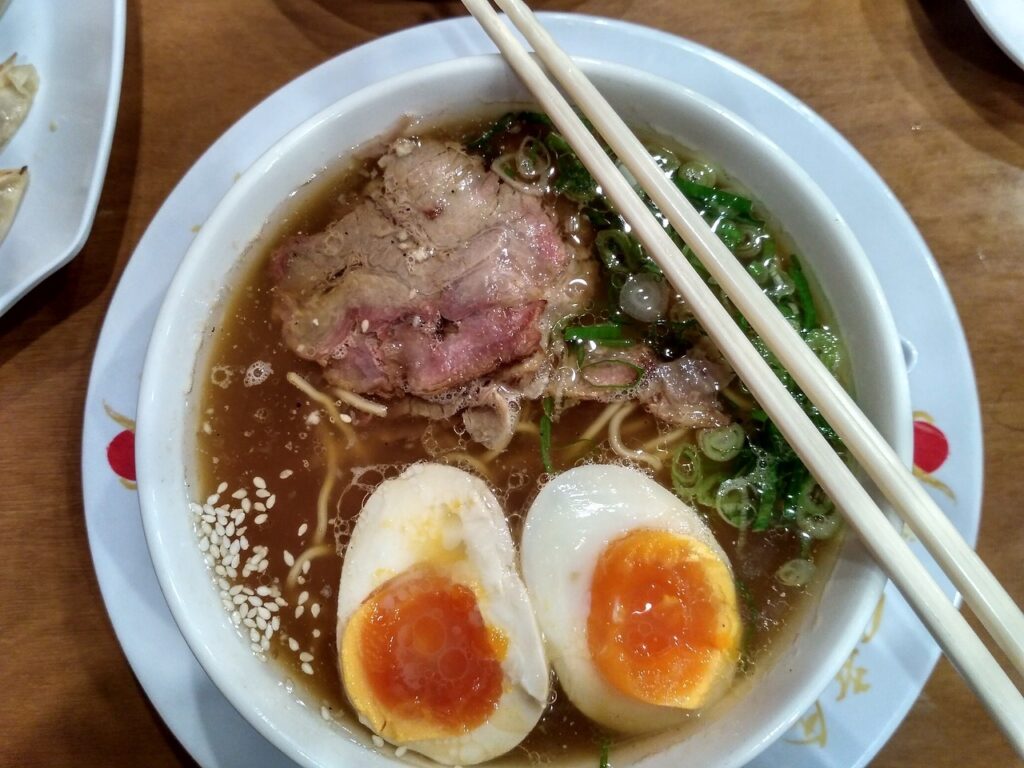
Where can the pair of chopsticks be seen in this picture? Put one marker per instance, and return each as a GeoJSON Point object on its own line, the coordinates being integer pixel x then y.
{"type": "Point", "coordinates": [982, 592]}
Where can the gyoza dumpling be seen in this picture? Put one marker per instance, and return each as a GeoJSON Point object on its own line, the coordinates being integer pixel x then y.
{"type": "Point", "coordinates": [13, 183]}
{"type": "Point", "coordinates": [18, 86]}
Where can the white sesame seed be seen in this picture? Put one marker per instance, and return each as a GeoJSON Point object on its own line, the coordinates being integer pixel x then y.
{"type": "Point", "coordinates": [250, 622]}
{"type": "Point", "coordinates": [303, 528]}
{"type": "Point", "coordinates": [316, 633]}
{"type": "Point", "coordinates": [254, 635]}
{"type": "Point", "coordinates": [325, 713]}
{"type": "Point", "coordinates": [271, 500]}
{"type": "Point", "coordinates": [212, 499]}
{"type": "Point", "coordinates": [399, 751]}
{"type": "Point", "coordinates": [276, 623]}
{"type": "Point", "coordinates": [345, 418]}
{"type": "Point", "coordinates": [260, 519]}
{"type": "Point", "coordinates": [241, 493]}
{"type": "Point", "coordinates": [194, 508]}
{"type": "Point", "coordinates": [246, 505]}
{"type": "Point", "coordinates": [259, 506]}
{"type": "Point", "coordinates": [315, 609]}
{"type": "Point", "coordinates": [378, 741]}
{"type": "Point", "coordinates": [262, 590]}
{"type": "Point", "coordinates": [285, 474]}
{"type": "Point", "coordinates": [265, 644]}
{"type": "Point", "coordinates": [259, 482]}
{"type": "Point", "coordinates": [307, 668]}
{"type": "Point", "coordinates": [236, 618]}
{"type": "Point", "coordinates": [280, 601]}
{"type": "Point", "coordinates": [222, 487]}
{"type": "Point", "coordinates": [220, 570]}
{"type": "Point", "coordinates": [305, 656]}
{"type": "Point", "coordinates": [244, 609]}
{"type": "Point", "coordinates": [255, 600]}
{"type": "Point", "coordinates": [306, 565]}
{"type": "Point", "coordinates": [289, 558]}
{"type": "Point", "coordinates": [262, 493]}
{"type": "Point", "coordinates": [263, 565]}
{"type": "Point", "coordinates": [261, 623]}
{"type": "Point", "coordinates": [293, 643]}
{"type": "Point", "coordinates": [243, 543]}
{"type": "Point", "coordinates": [204, 544]}
{"type": "Point", "coordinates": [299, 611]}
{"type": "Point", "coordinates": [263, 612]}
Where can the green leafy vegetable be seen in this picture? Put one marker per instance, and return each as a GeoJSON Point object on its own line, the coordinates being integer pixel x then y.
{"type": "Point", "coordinates": [603, 332]}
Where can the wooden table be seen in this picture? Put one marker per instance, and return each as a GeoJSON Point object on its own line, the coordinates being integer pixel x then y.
{"type": "Point", "coordinates": [915, 85]}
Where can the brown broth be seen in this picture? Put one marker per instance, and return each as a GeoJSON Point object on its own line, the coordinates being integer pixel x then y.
{"type": "Point", "coordinates": [245, 432]}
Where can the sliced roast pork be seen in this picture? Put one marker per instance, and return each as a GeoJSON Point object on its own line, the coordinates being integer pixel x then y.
{"type": "Point", "coordinates": [439, 277]}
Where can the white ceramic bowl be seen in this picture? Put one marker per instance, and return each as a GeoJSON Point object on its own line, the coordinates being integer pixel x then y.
{"type": "Point", "coordinates": [825, 635]}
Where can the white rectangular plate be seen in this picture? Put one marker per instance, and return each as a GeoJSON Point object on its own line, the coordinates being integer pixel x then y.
{"type": "Point", "coordinates": [78, 49]}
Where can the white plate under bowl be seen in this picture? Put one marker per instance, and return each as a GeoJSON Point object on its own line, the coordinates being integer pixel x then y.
{"type": "Point", "coordinates": [442, 92]}
{"type": "Point", "coordinates": [858, 710]}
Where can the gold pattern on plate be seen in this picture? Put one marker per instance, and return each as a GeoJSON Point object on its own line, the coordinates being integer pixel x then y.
{"type": "Point", "coordinates": [852, 680]}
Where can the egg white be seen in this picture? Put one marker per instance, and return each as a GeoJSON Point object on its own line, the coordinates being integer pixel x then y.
{"type": "Point", "coordinates": [570, 523]}
{"type": "Point", "coordinates": [434, 513]}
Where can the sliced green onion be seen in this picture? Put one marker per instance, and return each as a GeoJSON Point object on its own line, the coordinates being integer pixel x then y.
{"type": "Point", "coordinates": [532, 159]}
{"type": "Point", "coordinates": [796, 573]}
{"type": "Point", "coordinates": [825, 345]}
{"type": "Point", "coordinates": [545, 434]}
{"type": "Point", "coordinates": [666, 159]}
{"type": "Point", "coordinates": [728, 233]}
{"type": "Point", "coordinates": [707, 489]}
{"type": "Point", "coordinates": [589, 373]}
{"type": "Point", "coordinates": [721, 443]}
{"type": "Point", "coordinates": [687, 470]}
{"type": "Point", "coordinates": [752, 240]}
{"type": "Point", "coordinates": [618, 251]}
{"type": "Point", "coordinates": [699, 172]}
{"type": "Point", "coordinates": [734, 502]}
{"type": "Point", "coordinates": [815, 513]}
{"type": "Point", "coordinates": [605, 749]}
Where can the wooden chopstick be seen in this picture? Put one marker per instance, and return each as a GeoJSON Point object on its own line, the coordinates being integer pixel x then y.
{"type": "Point", "coordinates": [947, 625]}
{"type": "Point", "coordinates": [981, 591]}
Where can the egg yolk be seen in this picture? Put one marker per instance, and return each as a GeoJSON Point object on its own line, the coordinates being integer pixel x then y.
{"type": "Point", "coordinates": [422, 663]}
{"type": "Point", "coordinates": [663, 625]}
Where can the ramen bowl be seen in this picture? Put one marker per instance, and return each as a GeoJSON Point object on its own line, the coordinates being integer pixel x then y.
{"type": "Point", "coordinates": [818, 638]}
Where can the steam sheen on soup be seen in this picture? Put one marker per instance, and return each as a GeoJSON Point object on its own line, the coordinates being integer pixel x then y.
{"type": "Point", "coordinates": [457, 336]}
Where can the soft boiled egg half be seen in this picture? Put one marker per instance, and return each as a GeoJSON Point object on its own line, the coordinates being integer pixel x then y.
{"type": "Point", "coordinates": [439, 648]}
{"type": "Point", "coordinates": [634, 596]}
